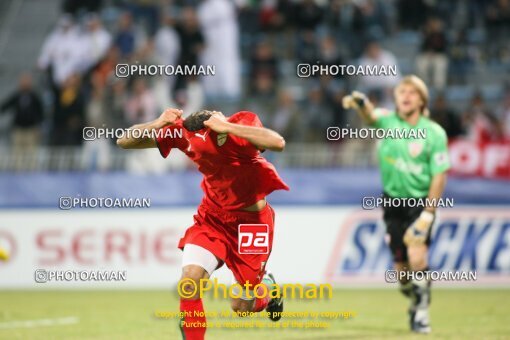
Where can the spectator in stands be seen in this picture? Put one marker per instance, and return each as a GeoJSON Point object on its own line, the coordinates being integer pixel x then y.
{"type": "Point", "coordinates": [62, 52]}
{"type": "Point", "coordinates": [141, 106]}
{"type": "Point", "coordinates": [368, 20]}
{"type": "Point", "coordinates": [339, 113]}
{"type": "Point", "coordinates": [306, 49]}
{"type": "Point", "coordinates": [248, 18]}
{"type": "Point", "coordinates": [375, 55]}
{"type": "Point", "coordinates": [96, 153]}
{"type": "Point", "coordinates": [276, 15]}
{"type": "Point", "coordinates": [282, 23]}
{"type": "Point", "coordinates": [333, 15]}
{"type": "Point", "coordinates": [479, 123]}
{"type": "Point", "coordinates": [125, 39]}
{"type": "Point", "coordinates": [446, 117]}
{"type": "Point", "coordinates": [307, 18]}
{"type": "Point", "coordinates": [219, 24]}
{"type": "Point", "coordinates": [268, 15]}
{"type": "Point", "coordinates": [503, 114]}
{"type": "Point", "coordinates": [145, 53]}
{"type": "Point", "coordinates": [191, 98]}
{"type": "Point", "coordinates": [498, 26]}
{"type": "Point", "coordinates": [115, 100]}
{"type": "Point", "coordinates": [342, 25]}
{"type": "Point", "coordinates": [192, 41]}
{"type": "Point", "coordinates": [329, 54]}
{"type": "Point", "coordinates": [208, 35]}
{"type": "Point", "coordinates": [263, 98]}
{"type": "Point", "coordinates": [412, 14]}
{"type": "Point", "coordinates": [105, 70]}
{"type": "Point", "coordinates": [97, 41]}
{"type": "Point", "coordinates": [432, 61]}
{"type": "Point", "coordinates": [286, 117]}
{"type": "Point", "coordinates": [146, 11]}
{"type": "Point", "coordinates": [319, 115]}
{"type": "Point", "coordinates": [27, 108]}
{"type": "Point", "coordinates": [308, 15]}
{"type": "Point", "coordinates": [474, 8]}
{"type": "Point", "coordinates": [167, 46]}
{"type": "Point", "coordinates": [187, 91]}
{"type": "Point", "coordinates": [69, 116]}
{"type": "Point", "coordinates": [461, 56]}
{"type": "Point", "coordinates": [330, 87]}
{"type": "Point", "coordinates": [263, 61]}
{"type": "Point", "coordinates": [74, 7]}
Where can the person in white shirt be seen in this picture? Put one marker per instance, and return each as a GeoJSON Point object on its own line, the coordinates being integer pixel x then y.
{"type": "Point", "coordinates": [97, 41]}
{"type": "Point", "coordinates": [167, 47]}
{"type": "Point", "coordinates": [381, 84]}
{"type": "Point", "coordinates": [218, 20]}
{"type": "Point", "coordinates": [63, 52]}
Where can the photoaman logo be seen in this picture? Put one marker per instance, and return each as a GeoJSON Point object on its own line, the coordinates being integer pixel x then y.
{"type": "Point", "coordinates": [253, 239]}
{"type": "Point", "coordinates": [189, 288]}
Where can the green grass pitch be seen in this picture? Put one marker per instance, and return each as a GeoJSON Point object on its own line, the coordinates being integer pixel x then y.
{"type": "Point", "coordinates": [379, 314]}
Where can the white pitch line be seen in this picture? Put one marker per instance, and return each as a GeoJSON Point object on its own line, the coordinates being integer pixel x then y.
{"type": "Point", "coordinates": [39, 323]}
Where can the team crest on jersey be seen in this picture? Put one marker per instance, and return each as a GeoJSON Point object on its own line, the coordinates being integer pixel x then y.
{"type": "Point", "coordinates": [221, 139]}
{"type": "Point", "coordinates": [415, 148]}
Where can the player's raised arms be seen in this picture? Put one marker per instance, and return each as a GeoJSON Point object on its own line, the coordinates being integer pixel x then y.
{"type": "Point", "coordinates": [262, 138]}
{"type": "Point", "coordinates": [145, 141]}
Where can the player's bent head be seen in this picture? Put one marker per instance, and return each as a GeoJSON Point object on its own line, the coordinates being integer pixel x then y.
{"type": "Point", "coordinates": [195, 121]}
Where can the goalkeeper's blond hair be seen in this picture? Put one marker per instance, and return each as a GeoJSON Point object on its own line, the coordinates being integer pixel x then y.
{"type": "Point", "coordinates": [422, 89]}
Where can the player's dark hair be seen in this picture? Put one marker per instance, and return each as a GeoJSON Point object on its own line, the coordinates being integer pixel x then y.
{"type": "Point", "coordinates": [195, 121]}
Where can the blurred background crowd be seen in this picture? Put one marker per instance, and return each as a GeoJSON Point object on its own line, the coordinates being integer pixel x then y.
{"type": "Point", "coordinates": [460, 48]}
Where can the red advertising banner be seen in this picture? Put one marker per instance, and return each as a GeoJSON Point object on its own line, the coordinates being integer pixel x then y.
{"type": "Point", "coordinates": [490, 160]}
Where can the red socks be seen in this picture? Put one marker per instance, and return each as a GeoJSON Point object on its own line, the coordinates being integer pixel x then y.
{"type": "Point", "coordinates": [193, 320]}
{"type": "Point", "coordinates": [261, 304]}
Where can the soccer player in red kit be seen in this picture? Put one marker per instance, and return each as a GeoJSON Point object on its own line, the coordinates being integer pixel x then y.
{"type": "Point", "coordinates": [236, 181]}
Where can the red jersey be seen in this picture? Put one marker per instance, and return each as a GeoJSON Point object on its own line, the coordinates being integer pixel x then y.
{"type": "Point", "coordinates": [235, 174]}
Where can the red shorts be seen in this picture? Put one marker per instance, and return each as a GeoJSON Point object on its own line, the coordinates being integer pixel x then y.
{"type": "Point", "coordinates": [217, 231]}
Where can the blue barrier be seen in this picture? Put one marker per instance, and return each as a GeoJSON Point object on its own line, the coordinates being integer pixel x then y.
{"type": "Point", "coordinates": [310, 187]}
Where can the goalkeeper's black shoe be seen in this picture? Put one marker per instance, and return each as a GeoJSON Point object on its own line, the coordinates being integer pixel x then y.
{"type": "Point", "coordinates": [275, 305]}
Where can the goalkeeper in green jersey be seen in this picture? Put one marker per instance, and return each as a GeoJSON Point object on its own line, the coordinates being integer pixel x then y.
{"type": "Point", "coordinates": [410, 168]}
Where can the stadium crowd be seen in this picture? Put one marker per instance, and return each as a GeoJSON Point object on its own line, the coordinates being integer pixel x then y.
{"type": "Point", "coordinates": [255, 47]}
